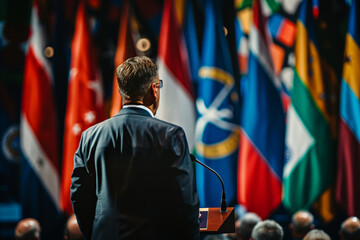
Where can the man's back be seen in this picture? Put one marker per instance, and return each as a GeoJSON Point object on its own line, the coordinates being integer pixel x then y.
{"type": "Point", "coordinates": [142, 180]}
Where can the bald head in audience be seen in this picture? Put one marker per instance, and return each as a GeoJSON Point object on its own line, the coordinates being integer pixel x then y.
{"type": "Point", "coordinates": [72, 230]}
{"type": "Point", "coordinates": [301, 223]}
{"type": "Point", "coordinates": [350, 229]}
{"type": "Point", "coordinates": [28, 229]}
{"type": "Point", "coordinates": [317, 234]}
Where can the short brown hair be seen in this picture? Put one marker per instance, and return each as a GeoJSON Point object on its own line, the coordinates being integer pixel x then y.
{"type": "Point", "coordinates": [134, 76]}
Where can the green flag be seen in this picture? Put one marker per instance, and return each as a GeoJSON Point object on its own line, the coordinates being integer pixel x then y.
{"type": "Point", "coordinates": [308, 171]}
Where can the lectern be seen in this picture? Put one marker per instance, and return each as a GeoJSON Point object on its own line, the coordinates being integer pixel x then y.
{"type": "Point", "coordinates": [212, 221]}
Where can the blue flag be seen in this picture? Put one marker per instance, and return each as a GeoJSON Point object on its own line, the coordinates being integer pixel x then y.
{"type": "Point", "coordinates": [217, 130]}
{"type": "Point", "coordinates": [191, 40]}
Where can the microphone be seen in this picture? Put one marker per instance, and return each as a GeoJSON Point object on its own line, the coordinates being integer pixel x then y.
{"type": "Point", "coordinates": [223, 198]}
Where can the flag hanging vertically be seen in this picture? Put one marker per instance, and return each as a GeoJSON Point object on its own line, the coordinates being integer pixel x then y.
{"type": "Point", "coordinates": [177, 103]}
{"type": "Point", "coordinates": [191, 40]}
{"type": "Point", "coordinates": [309, 167]}
{"type": "Point", "coordinates": [125, 49]}
{"type": "Point", "coordinates": [261, 153]}
{"type": "Point", "coordinates": [85, 105]}
{"type": "Point", "coordinates": [217, 129]}
{"type": "Point", "coordinates": [38, 135]}
{"type": "Point", "coordinates": [347, 191]}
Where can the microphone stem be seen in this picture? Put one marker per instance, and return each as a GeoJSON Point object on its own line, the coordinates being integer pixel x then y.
{"type": "Point", "coordinates": [223, 197]}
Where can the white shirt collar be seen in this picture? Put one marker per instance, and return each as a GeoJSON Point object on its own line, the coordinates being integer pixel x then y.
{"type": "Point", "coordinates": [139, 106]}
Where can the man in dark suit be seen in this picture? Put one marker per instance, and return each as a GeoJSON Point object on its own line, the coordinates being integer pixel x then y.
{"type": "Point", "coordinates": [133, 177]}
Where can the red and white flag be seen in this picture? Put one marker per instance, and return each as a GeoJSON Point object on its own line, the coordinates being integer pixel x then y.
{"type": "Point", "coordinates": [85, 104]}
{"type": "Point", "coordinates": [177, 102]}
{"type": "Point", "coordinates": [38, 133]}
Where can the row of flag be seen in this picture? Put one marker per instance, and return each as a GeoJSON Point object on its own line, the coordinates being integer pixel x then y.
{"type": "Point", "coordinates": [45, 194]}
{"type": "Point", "coordinates": [267, 153]}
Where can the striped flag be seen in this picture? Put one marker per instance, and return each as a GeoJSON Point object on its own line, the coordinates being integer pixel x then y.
{"type": "Point", "coordinates": [38, 135]}
{"type": "Point", "coordinates": [242, 47]}
{"type": "Point", "coordinates": [177, 103]}
{"type": "Point", "coordinates": [125, 49]}
{"type": "Point", "coordinates": [85, 105]}
{"type": "Point", "coordinates": [309, 164]}
{"type": "Point", "coordinates": [217, 129]}
{"type": "Point", "coordinates": [347, 190]}
{"type": "Point", "coordinates": [261, 154]}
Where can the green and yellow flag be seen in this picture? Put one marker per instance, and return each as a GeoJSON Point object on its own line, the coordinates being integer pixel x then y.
{"type": "Point", "coordinates": [310, 131]}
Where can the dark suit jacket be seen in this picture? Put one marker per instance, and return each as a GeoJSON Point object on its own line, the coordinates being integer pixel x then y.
{"type": "Point", "coordinates": [133, 179]}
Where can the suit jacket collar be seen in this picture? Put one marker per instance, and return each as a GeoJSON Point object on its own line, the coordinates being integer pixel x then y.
{"type": "Point", "coordinates": [133, 110]}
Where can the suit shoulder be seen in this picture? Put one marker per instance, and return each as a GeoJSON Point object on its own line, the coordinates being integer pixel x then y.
{"type": "Point", "coordinates": [97, 127]}
{"type": "Point", "coordinates": [165, 123]}
{"type": "Point", "coordinates": [168, 125]}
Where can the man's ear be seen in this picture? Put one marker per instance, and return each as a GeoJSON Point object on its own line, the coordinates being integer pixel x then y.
{"type": "Point", "coordinates": [155, 90]}
{"type": "Point", "coordinates": [150, 96]}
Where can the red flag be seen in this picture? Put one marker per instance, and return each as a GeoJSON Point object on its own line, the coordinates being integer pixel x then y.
{"type": "Point", "coordinates": [125, 49]}
{"type": "Point", "coordinates": [177, 103]}
{"type": "Point", "coordinates": [348, 166]}
{"type": "Point", "coordinates": [261, 158]}
{"type": "Point", "coordinates": [85, 105]}
{"type": "Point", "coordinates": [38, 134]}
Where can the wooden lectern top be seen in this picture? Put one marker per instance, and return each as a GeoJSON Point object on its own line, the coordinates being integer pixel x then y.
{"type": "Point", "coordinates": [214, 221]}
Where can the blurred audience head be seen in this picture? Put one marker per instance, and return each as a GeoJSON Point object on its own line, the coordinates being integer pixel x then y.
{"type": "Point", "coordinates": [72, 230]}
{"type": "Point", "coordinates": [350, 229]}
{"type": "Point", "coordinates": [267, 230]}
{"type": "Point", "coordinates": [317, 234]}
{"type": "Point", "coordinates": [245, 225]}
{"type": "Point", "coordinates": [302, 222]}
{"type": "Point", "coordinates": [28, 229]}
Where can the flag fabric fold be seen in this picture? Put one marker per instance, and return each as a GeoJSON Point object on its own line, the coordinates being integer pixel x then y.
{"type": "Point", "coordinates": [309, 163]}
{"type": "Point", "coordinates": [85, 105]}
{"type": "Point", "coordinates": [125, 49]}
{"type": "Point", "coordinates": [38, 135]}
{"type": "Point", "coordinates": [191, 40]}
{"type": "Point", "coordinates": [177, 102]}
{"type": "Point", "coordinates": [261, 153]}
{"type": "Point", "coordinates": [347, 192]}
{"type": "Point", "coordinates": [217, 126]}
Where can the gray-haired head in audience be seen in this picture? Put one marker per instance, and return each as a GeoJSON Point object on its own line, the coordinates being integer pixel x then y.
{"type": "Point", "coordinates": [245, 225]}
{"type": "Point", "coordinates": [267, 230]}
{"type": "Point", "coordinates": [317, 234]}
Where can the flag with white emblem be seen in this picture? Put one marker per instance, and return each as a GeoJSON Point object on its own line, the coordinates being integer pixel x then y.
{"type": "Point", "coordinates": [85, 105]}
{"type": "Point", "coordinates": [217, 126]}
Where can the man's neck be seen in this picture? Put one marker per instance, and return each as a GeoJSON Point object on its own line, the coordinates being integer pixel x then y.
{"type": "Point", "coordinates": [132, 102]}
{"type": "Point", "coordinates": [128, 102]}
{"type": "Point", "coordinates": [140, 106]}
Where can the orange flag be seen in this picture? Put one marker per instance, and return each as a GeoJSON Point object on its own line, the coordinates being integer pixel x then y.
{"type": "Point", "coordinates": [125, 49]}
{"type": "Point", "coordinates": [85, 104]}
